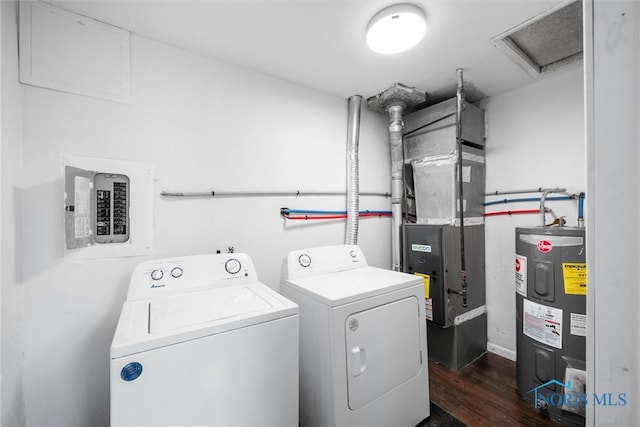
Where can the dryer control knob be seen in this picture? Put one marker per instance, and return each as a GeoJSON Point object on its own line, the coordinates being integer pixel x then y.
{"type": "Point", "coordinates": [176, 272]}
{"type": "Point", "coordinates": [232, 266]}
{"type": "Point", "coordinates": [304, 260]}
{"type": "Point", "coordinates": [157, 274]}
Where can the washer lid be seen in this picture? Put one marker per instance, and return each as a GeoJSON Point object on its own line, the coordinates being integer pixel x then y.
{"type": "Point", "coordinates": [154, 323]}
{"type": "Point", "coordinates": [185, 310]}
{"type": "Point", "coordinates": [343, 287]}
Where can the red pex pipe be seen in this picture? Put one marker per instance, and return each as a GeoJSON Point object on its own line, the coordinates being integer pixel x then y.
{"type": "Point", "coordinates": [515, 212]}
{"type": "Point", "coordinates": [306, 217]}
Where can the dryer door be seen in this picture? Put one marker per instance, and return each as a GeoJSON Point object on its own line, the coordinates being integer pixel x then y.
{"type": "Point", "coordinates": [383, 349]}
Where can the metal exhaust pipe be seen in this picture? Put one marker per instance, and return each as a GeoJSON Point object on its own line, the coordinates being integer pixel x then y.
{"type": "Point", "coordinates": [394, 101]}
{"type": "Point", "coordinates": [397, 182]}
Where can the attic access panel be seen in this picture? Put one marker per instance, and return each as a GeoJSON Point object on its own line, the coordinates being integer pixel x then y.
{"type": "Point", "coordinates": [546, 42]}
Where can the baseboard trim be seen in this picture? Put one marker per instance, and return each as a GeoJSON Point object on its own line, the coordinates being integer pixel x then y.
{"type": "Point", "coordinates": [501, 351]}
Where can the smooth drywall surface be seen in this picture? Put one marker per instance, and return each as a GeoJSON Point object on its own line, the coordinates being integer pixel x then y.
{"type": "Point", "coordinates": [613, 91]}
{"type": "Point", "coordinates": [203, 125]}
{"type": "Point", "coordinates": [12, 291]}
{"type": "Point", "coordinates": [535, 138]}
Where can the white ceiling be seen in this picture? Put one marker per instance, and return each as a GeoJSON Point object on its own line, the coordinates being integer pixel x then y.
{"type": "Point", "coordinates": [321, 43]}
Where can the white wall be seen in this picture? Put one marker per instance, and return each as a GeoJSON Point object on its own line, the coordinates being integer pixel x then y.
{"type": "Point", "coordinates": [203, 125]}
{"type": "Point", "coordinates": [535, 139]}
{"type": "Point", "coordinates": [613, 138]}
{"type": "Point", "coordinates": [12, 291]}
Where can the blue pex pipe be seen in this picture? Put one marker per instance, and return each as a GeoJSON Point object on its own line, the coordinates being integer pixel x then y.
{"type": "Point", "coordinates": [581, 206]}
{"type": "Point", "coordinates": [314, 212]}
{"type": "Point", "coordinates": [526, 199]}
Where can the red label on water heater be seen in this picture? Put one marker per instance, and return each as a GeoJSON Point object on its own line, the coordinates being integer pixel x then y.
{"type": "Point", "coordinates": [544, 245]}
{"type": "Point", "coordinates": [517, 264]}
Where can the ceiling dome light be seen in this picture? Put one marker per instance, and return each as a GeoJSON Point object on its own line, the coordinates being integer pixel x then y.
{"type": "Point", "coordinates": [396, 28]}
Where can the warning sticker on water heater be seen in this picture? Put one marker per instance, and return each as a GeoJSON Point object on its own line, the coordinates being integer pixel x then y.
{"type": "Point", "coordinates": [521, 275]}
{"type": "Point", "coordinates": [542, 323]}
{"type": "Point", "coordinates": [579, 324]}
{"type": "Point", "coordinates": [574, 275]}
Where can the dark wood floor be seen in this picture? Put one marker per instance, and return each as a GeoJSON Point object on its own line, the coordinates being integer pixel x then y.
{"type": "Point", "coordinates": [483, 393]}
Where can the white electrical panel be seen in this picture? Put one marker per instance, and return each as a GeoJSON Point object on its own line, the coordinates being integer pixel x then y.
{"type": "Point", "coordinates": [107, 207]}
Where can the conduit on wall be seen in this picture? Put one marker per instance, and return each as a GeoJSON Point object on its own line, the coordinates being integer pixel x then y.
{"type": "Point", "coordinates": [295, 193]}
{"type": "Point", "coordinates": [533, 190]}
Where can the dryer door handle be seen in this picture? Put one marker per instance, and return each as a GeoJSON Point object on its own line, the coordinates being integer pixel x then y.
{"type": "Point", "coordinates": [358, 361]}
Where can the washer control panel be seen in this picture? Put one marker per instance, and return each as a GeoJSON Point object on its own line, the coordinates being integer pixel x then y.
{"type": "Point", "coordinates": [233, 266]}
{"type": "Point", "coordinates": [172, 276]}
{"type": "Point", "coordinates": [304, 260]}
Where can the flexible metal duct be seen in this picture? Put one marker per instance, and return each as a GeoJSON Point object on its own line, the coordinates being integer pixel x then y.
{"type": "Point", "coordinates": [353, 178]}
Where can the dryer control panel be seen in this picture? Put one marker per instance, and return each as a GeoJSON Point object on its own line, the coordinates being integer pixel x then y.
{"type": "Point", "coordinates": [322, 260]}
{"type": "Point", "coordinates": [170, 276]}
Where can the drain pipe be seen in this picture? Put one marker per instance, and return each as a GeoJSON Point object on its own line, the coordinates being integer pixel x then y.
{"type": "Point", "coordinates": [463, 272]}
{"type": "Point", "coordinates": [459, 108]}
{"type": "Point", "coordinates": [397, 180]}
{"type": "Point", "coordinates": [353, 179]}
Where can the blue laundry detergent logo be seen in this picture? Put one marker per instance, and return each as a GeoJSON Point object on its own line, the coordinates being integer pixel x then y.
{"type": "Point", "coordinates": [573, 398]}
{"type": "Point", "coordinates": [131, 371]}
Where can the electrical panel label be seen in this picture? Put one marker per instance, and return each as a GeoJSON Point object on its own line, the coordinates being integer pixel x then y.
{"type": "Point", "coordinates": [82, 207]}
{"type": "Point", "coordinates": [521, 275]}
{"type": "Point", "coordinates": [542, 323]}
{"type": "Point", "coordinates": [120, 208]}
{"type": "Point", "coordinates": [427, 281]}
{"type": "Point", "coordinates": [575, 278]}
{"type": "Point", "coordinates": [579, 324]}
{"type": "Point", "coordinates": [103, 214]}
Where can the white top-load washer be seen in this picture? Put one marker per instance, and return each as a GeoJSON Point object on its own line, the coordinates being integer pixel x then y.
{"type": "Point", "coordinates": [201, 342]}
{"type": "Point", "coordinates": [363, 343]}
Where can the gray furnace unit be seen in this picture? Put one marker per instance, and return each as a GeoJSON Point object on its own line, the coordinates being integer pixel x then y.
{"type": "Point", "coordinates": [551, 321]}
{"type": "Point", "coordinates": [456, 319]}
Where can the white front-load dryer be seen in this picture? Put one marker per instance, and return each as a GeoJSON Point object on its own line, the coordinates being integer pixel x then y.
{"type": "Point", "coordinates": [363, 343]}
{"type": "Point", "coordinates": [200, 342]}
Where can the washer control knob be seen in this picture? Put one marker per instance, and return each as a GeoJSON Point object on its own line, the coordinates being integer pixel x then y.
{"type": "Point", "coordinates": [304, 260]}
{"type": "Point", "coordinates": [176, 272]}
{"type": "Point", "coordinates": [232, 266]}
{"type": "Point", "coordinates": [157, 274]}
